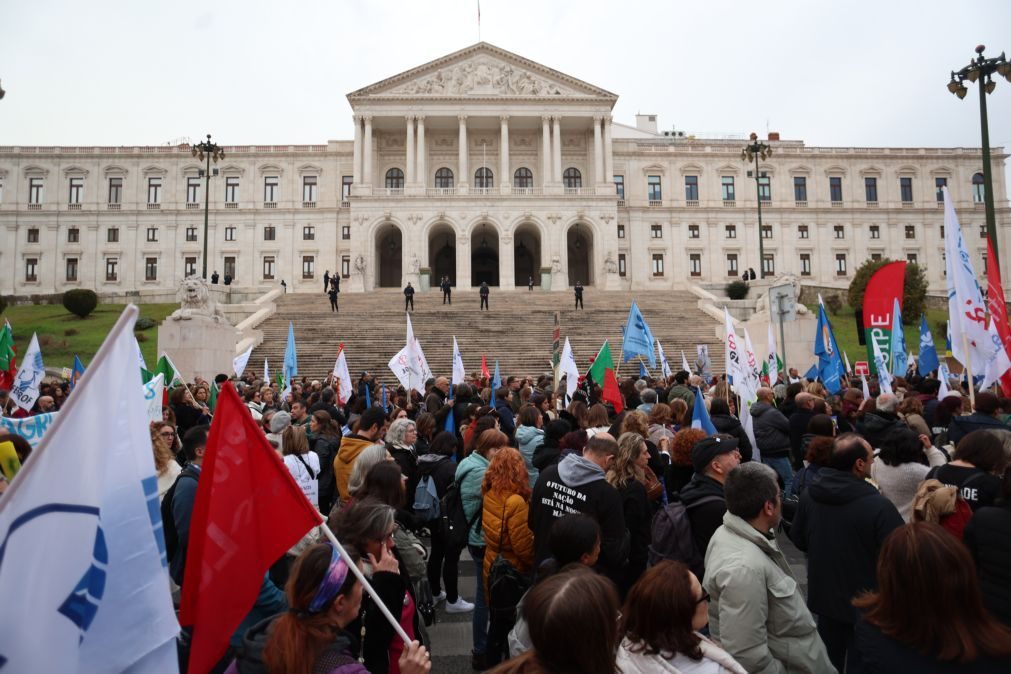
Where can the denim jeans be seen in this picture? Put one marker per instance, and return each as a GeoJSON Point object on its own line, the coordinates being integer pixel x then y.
{"type": "Point", "coordinates": [480, 623]}
{"type": "Point", "coordinates": [781, 464]}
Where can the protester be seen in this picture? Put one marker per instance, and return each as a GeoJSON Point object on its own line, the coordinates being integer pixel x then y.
{"type": "Point", "coordinates": [911, 412]}
{"type": "Point", "coordinates": [302, 463]}
{"type": "Point", "coordinates": [728, 424]}
{"type": "Point", "coordinates": [369, 457]}
{"type": "Point", "coordinates": [550, 453]}
{"type": "Point", "coordinates": [529, 436]}
{"type": "Point", "coordinates": [875, 423]}
{"type": "Point", "coordinates": [167, 468]}
{"type": "Point", "coordinates": [325, 436]}
{"type": "Point", "coordinates": [278, 421]}
{"type": "Point", "coordinates": [928, 614]}
{"type": "Point", "coordinates": [979, 458]}
{"type": "Point", "coordinates": [902, 464]}
{"type": "Point", "coordinates": [988, 537]}
{"type": "Point", "coordinates": [596, 420]}
{"type": "Point", "coordinates": [712, 458]}
{"type": "Point", "coordinates": [627, 474]}
{"type": "Point", "coordinates": [817, 455]}
{"type": "Point", "coordinates": [772, 435]}
{"type": "Point", "coordinates": [681, 469]}
{"type": "Point", "coordinates": [987, 410]}
{"type": "Point", "coordinates": [184, 495]}
{"type": "Point", "coordinates": [352, 445]}
{"type": "Point", "coordinates": [400, 439]}
{"type": "Point", "coordinates": [660, 622]}
{"type": "Point", "coordinates": [804, 410]}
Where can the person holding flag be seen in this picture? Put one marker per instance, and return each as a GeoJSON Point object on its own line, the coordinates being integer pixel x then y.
{"type": "Point", "coordinates": [831, 370]}
{"type": "Point", "coordinates": [664, 365]}
{"type": "Point", "coordinates": [638, 338]}
{"type": "Point", "coordinates": [602, 373]}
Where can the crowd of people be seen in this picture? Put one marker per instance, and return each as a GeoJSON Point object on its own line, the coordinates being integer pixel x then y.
{"type": "Point", "coordinates": [631, 541]}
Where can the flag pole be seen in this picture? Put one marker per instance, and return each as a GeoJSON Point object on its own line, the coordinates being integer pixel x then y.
{"type": "Point", "coordinates": [968, 370]}
{"type": "Point", "coordinates": [366, 585]}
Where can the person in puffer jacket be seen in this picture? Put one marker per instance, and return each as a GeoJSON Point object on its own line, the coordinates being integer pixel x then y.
{"type": "Point", "coordinates": [772, 435]}
{"type": "Point", "coordinates": [529, 436]}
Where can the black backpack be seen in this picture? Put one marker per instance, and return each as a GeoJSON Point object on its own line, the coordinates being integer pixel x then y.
{"type": "Point", "coordinates": [672, 537]}
{"type": "Point", "coordinates": [453, 518]}
{"type": "Point", "coordinates": [168, 522]}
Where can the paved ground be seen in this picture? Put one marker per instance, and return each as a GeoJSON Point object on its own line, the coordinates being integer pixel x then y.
{"type": "Point", "coordinates": [451, 635]}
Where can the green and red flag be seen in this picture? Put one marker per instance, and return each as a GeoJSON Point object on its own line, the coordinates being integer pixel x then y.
{"type": "Point", "coordinates": [884, 288]}
{"type": "Point", "coordinates": [602, 372]}
{"type": "Point", "coordinates": [8, 357]}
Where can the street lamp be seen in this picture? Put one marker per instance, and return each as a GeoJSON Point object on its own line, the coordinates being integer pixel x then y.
{"type": "Point", "coordinates": [753, 152]}
{"type": "Point", "coordinates": [983, 69]}
{"type": "Point", "coordinates": [207, 149]}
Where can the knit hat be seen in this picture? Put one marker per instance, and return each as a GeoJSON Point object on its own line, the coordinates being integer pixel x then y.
{"type": "Point", "coordinates": [279, 422]}
{"type": "Point", "coordinates": [707, 449]}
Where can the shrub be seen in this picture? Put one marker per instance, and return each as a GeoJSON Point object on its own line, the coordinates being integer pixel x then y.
{"type": "Point", "coordinates": [141, 337]}
{"type": "Point", "coordinates": [914, 291]}
{"type": "Point", "coordinates": [145, 323]}
{"type": "Point", "coordinates": [80, 301]}
{"type": "Point", "coordinates": [70, 332]}
{"type": "Point", "coordinates": [834, 304]}
{"type": "Point", "coordinates": [737, 290]}
{"type": "Point", "coordinates": [3, 304]}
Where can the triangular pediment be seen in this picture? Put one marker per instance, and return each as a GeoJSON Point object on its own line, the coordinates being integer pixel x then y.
{"type": "Point", "coordinates": [481, 71]}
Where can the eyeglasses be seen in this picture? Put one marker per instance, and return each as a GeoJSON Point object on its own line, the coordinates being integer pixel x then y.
{"type": "Point", "coordinates": [167, 434]}
{"type": "Point", "coordinates": [704, 597]}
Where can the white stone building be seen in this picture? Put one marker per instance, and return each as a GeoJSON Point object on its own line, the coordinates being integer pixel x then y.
{"type": "Point", "coordinates": [480, 166]}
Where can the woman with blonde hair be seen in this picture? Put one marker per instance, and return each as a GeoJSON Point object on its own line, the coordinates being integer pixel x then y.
{"type": "Point", "coordinates": [506, 492]}
{"type": "Point", "coordinates": [627, 474]}
{"type": "Point", "coordinates": [301, 463]}
{"type": "Point", "coordinates": [596, 421]}
{"type": "Point", "coordinates": [165, 465]}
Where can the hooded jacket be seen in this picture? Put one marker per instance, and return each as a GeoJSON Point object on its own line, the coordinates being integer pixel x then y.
{"type": "Point", "coordinates": [347, 454]}
{"type": "Point", "coordinates": [682, 392]}
{"type": "Point", "coordinates": [841, 523]}
{"type": "Point", "coordinates": [772, 430]}
{"type": "Point", "coordinates": [441, 468]}
{"type": "Point", "coordinates": [577, 485]}
{"type": "Point", "coordinates": [249, 656]}
{"type": "Point", "coordinates": [506, 532]}
{"type": "Point", "coordinates": [470, 474]}
{"type": "Point", "coordinates": [529, 438]}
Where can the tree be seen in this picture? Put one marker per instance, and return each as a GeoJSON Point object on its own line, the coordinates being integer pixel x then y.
{"type": "Point", "coordinates": [914, 291]}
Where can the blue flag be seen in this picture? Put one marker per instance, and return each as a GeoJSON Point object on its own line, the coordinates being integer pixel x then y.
{"type": "Point", "coordinates": [76, 372]}
{"type": "Point", "coordinates": [385, 408]}
{"type": "Point", "coordinates": [496, 382]}
{"type": "Point", "coordinates": [927, 361]}
{"type": "Point", "coordinates": [700, 415]}
{"type": "Point", "coordinates": [812, 374]}
{"type": "Point", "coordinates": [450, 425]}
{"type": "Point", "coordinates": [897, 349]}
{"type": "Point", "coordinates": [290, 357]}
{"type": "Point", "coordinates": [643, 374]}
{"type": "Point", "coordinates": [638, 339]}
{"type": "Point", "coordinates": [368, 396]}
{"type": "Point", "coordinates": [830, 364]}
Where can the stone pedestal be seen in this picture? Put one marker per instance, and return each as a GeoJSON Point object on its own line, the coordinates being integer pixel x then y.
{"type": "Point", "coordinates": [799, 335]}
{"type": "Point", "coordinates": [545, 280]}
{"type": "Point", "coordinates": [559, 280]}
{"type": "Point", "coordinates": [199, 346]}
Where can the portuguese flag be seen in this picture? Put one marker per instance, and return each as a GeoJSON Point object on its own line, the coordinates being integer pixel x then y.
{"type": "Point", "coordinates": [8, 357]}
{"type": "Point", "coordinates": [602, 372]}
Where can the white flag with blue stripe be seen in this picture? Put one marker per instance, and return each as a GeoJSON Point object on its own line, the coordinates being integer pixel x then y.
{"type": "Point", "coordinates": [83, 574]}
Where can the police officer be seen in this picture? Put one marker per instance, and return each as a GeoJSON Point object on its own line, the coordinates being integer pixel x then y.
{"type": "Point", "coordinates": [484, 295]}
{"type": "Point", "coordinates": [409, 296]}
{"type": "Point", "coordinates": [332, 292]}
{"type": "Point", "coordinates": [447, 290]}
{"type": "Point", "coordinates": [579, 295]}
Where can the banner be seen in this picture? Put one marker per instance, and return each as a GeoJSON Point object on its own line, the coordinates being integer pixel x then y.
{"type": "Point", "coordinates": [883, 289]}
{"type": "Point", "coordinates": [154, 392]}
{"type": "Point", "coordinates": [31, 428]}
{"type": "Point", "coordinates": [26, 382]}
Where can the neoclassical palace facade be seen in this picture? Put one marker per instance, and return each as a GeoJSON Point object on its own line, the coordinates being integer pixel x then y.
{"type": "Point", "coordinates": [481, 166]}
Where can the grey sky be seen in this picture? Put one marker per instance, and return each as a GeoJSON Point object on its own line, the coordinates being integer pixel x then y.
{"type": "Point", "coordinates": [854, 73]}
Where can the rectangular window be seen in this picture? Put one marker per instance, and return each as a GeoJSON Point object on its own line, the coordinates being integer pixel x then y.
{"type": "Point", "coordinates": [875, 256]}
{"type": "Point", "coordinates": [269, 233]}
{"type": "Point", "coordinates": [875, 231]}
{"type": "Point", "coordinates": [230, 267]}
{"type": "Point", "coordinates": [73, 235]}
{"type": "Point", "coordinates": [111, 269]}
{"type": "Point", "coordinates": [911, 258]}
{"type": "Point", "coordinates": [308, 233]}
{"type": "Point", "coordinates": [346, 182]}
{"type": "Point", "coordinates": [191, 234]}
{"type": "Point", "coordinates": [768, 265]}
{"type": "Point", "coordinates": [231, 189]}
{"type": "Point", "coordinates": [910, 231]}
{"type": "Point", "coordinates": [835, 189]}
{"type": "Point", "coordinates": [982, 231]}
{"type": "Point", "coordinates": [193, 190]}
{"type": "Point", "coordinates": [270, 189]}
{"type": "Point", "coordinates": [803, 232]}
{"type": "Point", "coordinates": [1, 190]}
{"type": "Point", "coordinates": [727, 184]}
{"type": "Point", "coordinates": [693, 231]}
{"type": "Point", "coordinates": [764, 188]}
{"type": "Point", "coordinates": [938, 184]}
{"type": "Point", "coordinates": [308, 189]}
{"type": "Point", "coordinates": [656, 231]}
{"type": "Point", "coordinates": [154, 190]}
{"type": "Point", "coordinates": [150, 269]}
{"type": "Point", "coordinates": [189, 266]}
{"type": "Point", "coordinates": [731, 231]}
{"type": "Point", "coordinates": [840, 232]}
{"type": "Point", "coordinates": [799, 188]}
{"type": "Point", "coordinates": [346, 233]}
{"type": "Point", "coordinates": [621, 231]}
{"type": "Point", "coordinates": [33, 235]}
{"type": "Point", "coordinates": [308, 266]}
{"type": "Point", "coordinates": [622, 271]}
{"type": "Point", "coordinates": [268, 268]}
{"type": "Point", "coordinates": [871, 190]}
{"type": "Point", "coordinates": [766, 231]}
{"type": "Point", "coordinates": [112, 235]}
{"type": "Point", "coordinates": [619, 186]}
{"type": "Point", "coordinates": [906, 190]}
{"type": "Point", "coordinates": [691, 188]}
{"type": "Point", "coordinates": [76, 195]}
{"type": "Point", "coordinates": [115, 190]}
{"type": "Point", "coordinates": [71, 269]}
{"type": "Point", "coordinates": [840, 264]}
{"type": "Point", "coordinates": [229, 233]}
{"type": "Point", "coordinates": [942, 231]}
{"type": "Point", "coordinates": [152, 234]}
{"type": "Point", "coordinates": [731, 264]}
{"type": "Point", "coordinates": [653, 191]}
{"type": "Point", "coordinates": [31, 269]}
{"type": "Point", "coordinates": [35, 190]}
{"type": "Point", "coordinates": [694, 264]}
{"type": "Point", "coordinates": [346, 266]}
{"type": "Point", "coordinates": [805, 264]}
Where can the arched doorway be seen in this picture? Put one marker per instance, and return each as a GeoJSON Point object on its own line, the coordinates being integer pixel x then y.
{"type": "Point", "coordinates": [389, 256]}
{"type": "Point", "coordinates": [484, 255]}
{"type": "Point", "coordinates": [579, 248]}
{"type": "Point", "coordinates": [442, 253]}
{"type": "Point", "coordinates": [527, 255]}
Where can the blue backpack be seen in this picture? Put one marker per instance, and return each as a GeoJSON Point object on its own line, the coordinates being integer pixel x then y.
{"type": "Point", "coordinates": [426, 500]}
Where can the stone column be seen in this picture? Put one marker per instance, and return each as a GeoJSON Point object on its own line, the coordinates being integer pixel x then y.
{"type": "Point", "coordinates": [504, 154]}
{"type": "Point", "coordinates": [409, 178]}
{"type": "Point", "coordinates": [506, 265]}
{"type": "Point", "coordinates": [545, 151]}
{"type": "Point", "coordinates": [422, 174]}
{"type": "Point", "coordinates": [608, 153]}
{"type": "Point", "coordinates": [462, 262]}
{"type": "Point", "coordinates": [598, 151]}
{"type": "Point", "coordinates": [356, 168]}
{"type": "Point", "coordinates": [464, 152]}
{"type": "Point", "coordinates": [367, 152]}
{"type": "Point", "coordinates": [557, 158]}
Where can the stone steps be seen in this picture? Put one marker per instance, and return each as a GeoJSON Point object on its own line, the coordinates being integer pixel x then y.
{"type": "Point", "coordinates": [517, 331]}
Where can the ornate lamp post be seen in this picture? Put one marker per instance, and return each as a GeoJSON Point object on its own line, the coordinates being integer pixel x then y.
{"type": "Point", "coordinates": [207, 149]}
{"type": "Point", "coordinates": [983, 69]}
{"type": "Point", "coordinates": [753, 152]}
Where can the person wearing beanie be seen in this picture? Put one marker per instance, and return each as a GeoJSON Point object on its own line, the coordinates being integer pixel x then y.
{"type": "Point", "coordinates": [712, 459]}
{"type": "Point", "coordinates": [280, 421]}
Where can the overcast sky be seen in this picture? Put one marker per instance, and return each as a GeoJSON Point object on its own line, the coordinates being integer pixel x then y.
{"type": "Point", "coordinates": [852, 73]}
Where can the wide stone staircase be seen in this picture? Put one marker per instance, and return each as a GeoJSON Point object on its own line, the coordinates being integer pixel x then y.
{"type": "Point", "coordinates": [516, 331]}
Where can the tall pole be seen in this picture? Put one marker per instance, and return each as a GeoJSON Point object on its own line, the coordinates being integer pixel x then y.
{"type": "Point", "coordinates": [207, 202]}
{"type": "Point", "coordinates": [991, 221]}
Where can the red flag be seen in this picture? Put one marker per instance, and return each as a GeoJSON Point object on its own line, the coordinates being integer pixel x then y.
{"type": "Point", "coordinates": [611, 393]}
{"type": "Point", "coordinates": [998, 310]}
{"type": "Point", "coordinates": [248, 512]}
{"type": "Point", "coordinates": [883, 288]}
{"type": "Point", "coordinates": [484, 369]}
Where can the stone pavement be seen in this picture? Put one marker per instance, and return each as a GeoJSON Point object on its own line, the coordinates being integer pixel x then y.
{"type": "Point", "coordinates": [451, 635]}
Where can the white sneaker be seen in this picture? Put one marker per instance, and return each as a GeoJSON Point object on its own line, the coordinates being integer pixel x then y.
{"type": "Point", "coordinates": [439, 597]}
{"type": "Point", "coordinates": [460, 606]}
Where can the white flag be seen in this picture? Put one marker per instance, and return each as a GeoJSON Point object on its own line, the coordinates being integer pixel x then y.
{"type": "Point", "coordinates": [684, 362]}
{"type": "Point", "coordinates": [239, 362]}
{"type": "Point", "coordinates": [459, 373]}
{"type": "Point", "coordinates": [664, 365]}
{"type": "Point", "coordinates": [942, 376]}
{"type": "Point", "coordinates": [772, 357]}
{"type": "Point", "coordinates": [140, 356]}
{"type": "Point", "coordinates": [734, 356]}
{"type": "Point", "coordinates": [867, 389]}
{"type": "Point", "coordinates": [266, 373]}
{"type": "Point", "coordinates": [341, 371]}
{"type": "Point", "coordinates": [881, 364]}
{"type": "Point", "coordinates": [418, 359]}
{"type": "Point", "coordinates": [567, 366]}
{"type": "Point", "coordinates": [752, 381]}
{"type": "Point", "coordinates": [83, 573]}
{"type": "Point", "coordinates": [26, 383]}
{"type": "Point", "coordinates": [847, 360]}
{"type": "Point", "coordinates": [154, 393]}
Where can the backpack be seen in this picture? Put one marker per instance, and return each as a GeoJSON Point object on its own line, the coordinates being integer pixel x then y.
{"type": "Point", "coordinates": [671, 534]}
{"type": "Point", "coordinates": [453, 519]}
{"type": "Point", "coordinates": [168, 522]}
{"type": "Point", "coordinates": [426, 500]}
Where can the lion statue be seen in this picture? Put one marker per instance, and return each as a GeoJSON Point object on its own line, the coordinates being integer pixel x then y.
{"type": "Point", "coordinates": [196, 302]}
{"type": "Point", "coordinates": [762, 306]}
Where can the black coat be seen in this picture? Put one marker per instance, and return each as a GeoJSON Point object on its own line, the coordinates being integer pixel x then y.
{"type": "Point", "coordinates": [962, 426]}
{"type": "Point", "coordinates": [706, 517]}
{"type": "Point", "coordinates": [874, 426]}
{"type": "Point", "coordinates": [326, 448]}
{"type": "Point", "coordinates": [731, 425]}
{"type": "Point", "coordinates": [988, 537]}
{"type": "Point", "coordinates": [882, 654]}
{"type": "Point", "coordinates": [638, 517]}
{"type": "Point", "coordinates": [772, 430]}
{"type": "Point", "coordinates": [798, 427]}
{"type": "Point", "coordinates": [841, 523]}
